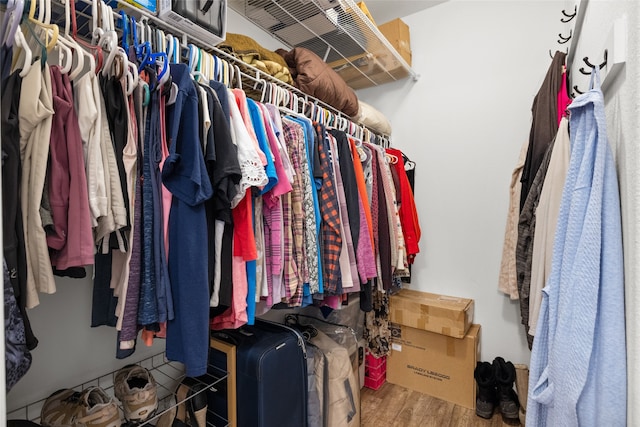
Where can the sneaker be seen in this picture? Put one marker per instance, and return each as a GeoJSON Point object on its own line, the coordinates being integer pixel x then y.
{"type": "Point", "coordinates": [136, 389]}
{"type": "Point", "coordinates": [89, 408]}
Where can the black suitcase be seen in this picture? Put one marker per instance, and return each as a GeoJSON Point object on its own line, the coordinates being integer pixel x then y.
{"type": "Point", "coordinates": [271, 375]}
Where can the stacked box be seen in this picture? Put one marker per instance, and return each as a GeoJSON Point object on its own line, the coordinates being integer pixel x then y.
{"type": "Point", "coordinates": [434, 345]}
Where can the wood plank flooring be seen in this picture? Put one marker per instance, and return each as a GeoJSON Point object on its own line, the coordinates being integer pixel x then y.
{"type": "Point", "coordinates": [397, 406]}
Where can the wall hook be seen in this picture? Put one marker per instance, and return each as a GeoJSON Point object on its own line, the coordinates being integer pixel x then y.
{"type": "Point", "coordinates": [590, 65]}
{"type": "Point", "coordinates": [564, 39]}
{"type": "Point", "coordinates": [575, 87]}
{"type": "Point", "coordinates": [568, 17]}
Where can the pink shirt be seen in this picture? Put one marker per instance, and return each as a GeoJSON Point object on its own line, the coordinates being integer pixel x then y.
{"type": "Point", "coordinates": [563, 99]}
{"type": "Point", "coordinates": [68, 192]}
{"type": "Point", "coordinates": [241, 101]}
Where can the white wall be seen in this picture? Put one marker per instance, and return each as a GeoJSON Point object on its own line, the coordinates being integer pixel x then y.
{"type": "Point", "coordinates": [463, 123]}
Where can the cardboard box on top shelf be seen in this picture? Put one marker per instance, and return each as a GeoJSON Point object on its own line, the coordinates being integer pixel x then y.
{"type": "Point", "coordinates": [397, 32]}
{"type": "Point", "coordinates": [435, 364]}
{"type": "Point", "coordinates": [378, 65]}
{"type": "Point", "coordinates": [441, 314]}
{"type": "Point", "coordinates": [363, 7]}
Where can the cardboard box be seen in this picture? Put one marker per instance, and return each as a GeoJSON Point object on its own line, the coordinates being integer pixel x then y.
{"type": "Point", "coordinates": [377, 65]}
{"type": "Point", "coordinates": [363, 7]}
{"type": "Point", "coordinates": [435, 364]}
{"type": "Point", "coordinates": [397, 32]}
{"type": "Point", "coordinates": [442, 314]}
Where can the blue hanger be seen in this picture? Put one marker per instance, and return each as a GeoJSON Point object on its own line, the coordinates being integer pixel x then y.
{"type": "Point", "coordinates": [125, 31]}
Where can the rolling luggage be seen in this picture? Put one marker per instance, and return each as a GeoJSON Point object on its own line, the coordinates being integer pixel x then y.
{"type": "Point", "coordinates": [271, 374]}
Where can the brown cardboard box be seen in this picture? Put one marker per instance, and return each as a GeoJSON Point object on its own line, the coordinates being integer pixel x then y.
{"type": "Point", "coordinates": [363, 7]}
{"type": "Point", "coordinates": [377, 65]}
{"type": "Point", "coordinates": [442, 314]}
{"type": "Point", "coordinates": [435, 364]}
{"type": "Point", "coordinates": [397, 32]}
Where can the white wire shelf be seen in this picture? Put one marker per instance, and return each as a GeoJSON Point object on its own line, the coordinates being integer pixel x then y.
{"type": "Point", "coordinates": [337, 31]}
{"type": "Point", "coordinates": [168, 376]}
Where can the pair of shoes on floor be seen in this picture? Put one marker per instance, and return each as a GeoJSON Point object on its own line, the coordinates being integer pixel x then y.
{"type": "Point", "coordinates": [495, 389]}
{"type": "Point", "coordinates": [89, 408]}
{"type": "Point", "coordinates": [134, 386]}
{"type": "Point", "coordinates": [191, 406]}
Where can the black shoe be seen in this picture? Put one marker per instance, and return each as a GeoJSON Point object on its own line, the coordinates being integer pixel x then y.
{"type": "Point", "coordinates": [486, 397]}
{"type": "Point", "coordinates": [505, 375]}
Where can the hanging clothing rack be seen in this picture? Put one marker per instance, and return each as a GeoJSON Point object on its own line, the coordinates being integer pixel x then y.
{"type": "Point", "coordinates": [248, 73]}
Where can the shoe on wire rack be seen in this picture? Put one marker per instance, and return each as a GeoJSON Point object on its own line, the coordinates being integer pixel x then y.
{"type": "Point", "coordinates": [137, 390]}
{"type": "Point", "coordinates": [89, 408]}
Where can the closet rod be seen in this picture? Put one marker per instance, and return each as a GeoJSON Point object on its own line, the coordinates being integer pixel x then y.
{"type": "Point", "coordinates": [258, 74]}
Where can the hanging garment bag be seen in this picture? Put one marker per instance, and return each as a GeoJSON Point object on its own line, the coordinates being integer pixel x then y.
{"type": "Point", "coordinates": [271, 374]}
{"type": "Point", "coordinates": [339, 345]}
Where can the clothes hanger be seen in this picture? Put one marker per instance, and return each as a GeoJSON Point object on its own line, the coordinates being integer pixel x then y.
{"type": "Point", "coordinates": [73, 45]}
{"type": "Point", "coordinates": [64, 56]}
{"type": "Point", "coordinates": [40, 44]}
{"type": "Point", "coordinates": [264, 90]}
{"type": "Point", "coordinates": [170, 48]}
{"type": "Point", "coordinates": [196, 65]}
{"type": "Point", "coordinates": [95, 52]}
{"type": "Point", "coordinates": [146, 55]}
{"type": "Point", "coordinates": [13, 15]}
{"type": "Point", "coordinates": [21, 42]}
{"type": "Point", "coordinates": [109, 42]}
{"type": "Point", "coordinates": [49, 44]}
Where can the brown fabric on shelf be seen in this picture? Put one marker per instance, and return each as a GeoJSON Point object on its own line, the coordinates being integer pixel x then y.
{"type": "Point", "coordinates": [314, 77]}
{"type": "Point", "coordinates": [251, 52]}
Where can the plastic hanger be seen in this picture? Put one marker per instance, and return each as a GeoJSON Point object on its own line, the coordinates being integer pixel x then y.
{"type": "Point", "coordinates": [95, 58]}
{"type": "Point", "coordinates": [391, 158]}
{"type": "Point", "coordinates": [109, 42]}
{"type": "Point", "coordinates": [74, 46]}
{"type": "Point", "coordinates": [41, 45]}
{"type": "Point", "coordinates": [21, 42]}
{"type": "Point", "coordinates": [263, 92]}
{"type": "Point", "coordinates": [194, 59]}
{"type": "Point", "coordinates": [124, 23]}
{"type": "Point", "coordinates": [132, 77]}
{"type": "Point", "coordinates": [170, 51]}
{"type": "Point", "coordinates": [13, 15]}
{"type": "Point", "coordinates": [145, 53]}
{"type": "Point", "coordinates": [49, 44]}
{"type": "Point", "coordinates": [65, 56]}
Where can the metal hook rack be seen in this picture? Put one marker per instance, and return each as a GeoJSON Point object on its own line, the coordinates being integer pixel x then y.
{"type": "Point", "coordinates": [590, 65]}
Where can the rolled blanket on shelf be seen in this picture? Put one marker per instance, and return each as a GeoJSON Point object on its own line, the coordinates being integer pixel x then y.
{"type": "Point", "coordinates": [251, 52]}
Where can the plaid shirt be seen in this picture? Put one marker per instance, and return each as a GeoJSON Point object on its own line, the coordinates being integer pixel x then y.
{"type": "Point", "coordinates": [293, 138]}
{"type": "Point", "coordinates": [330, 227]}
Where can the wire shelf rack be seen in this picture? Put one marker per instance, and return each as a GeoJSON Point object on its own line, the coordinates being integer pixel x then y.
{"type": "Point", "coordinates": [337, 31]}
{"type": "Point", "coordinates": [168, 376]}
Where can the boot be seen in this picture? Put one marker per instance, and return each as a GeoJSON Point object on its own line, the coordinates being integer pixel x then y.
{"type": "Point", "coordinates": [486, 397]}
{"type": "Point", "coordinates": [522, 387]}
{"type": "Point", "coordinates": [505, 374]}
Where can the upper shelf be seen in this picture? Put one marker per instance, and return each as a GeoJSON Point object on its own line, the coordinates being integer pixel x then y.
{"type": "Point", "coordinates": [336, 30]}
